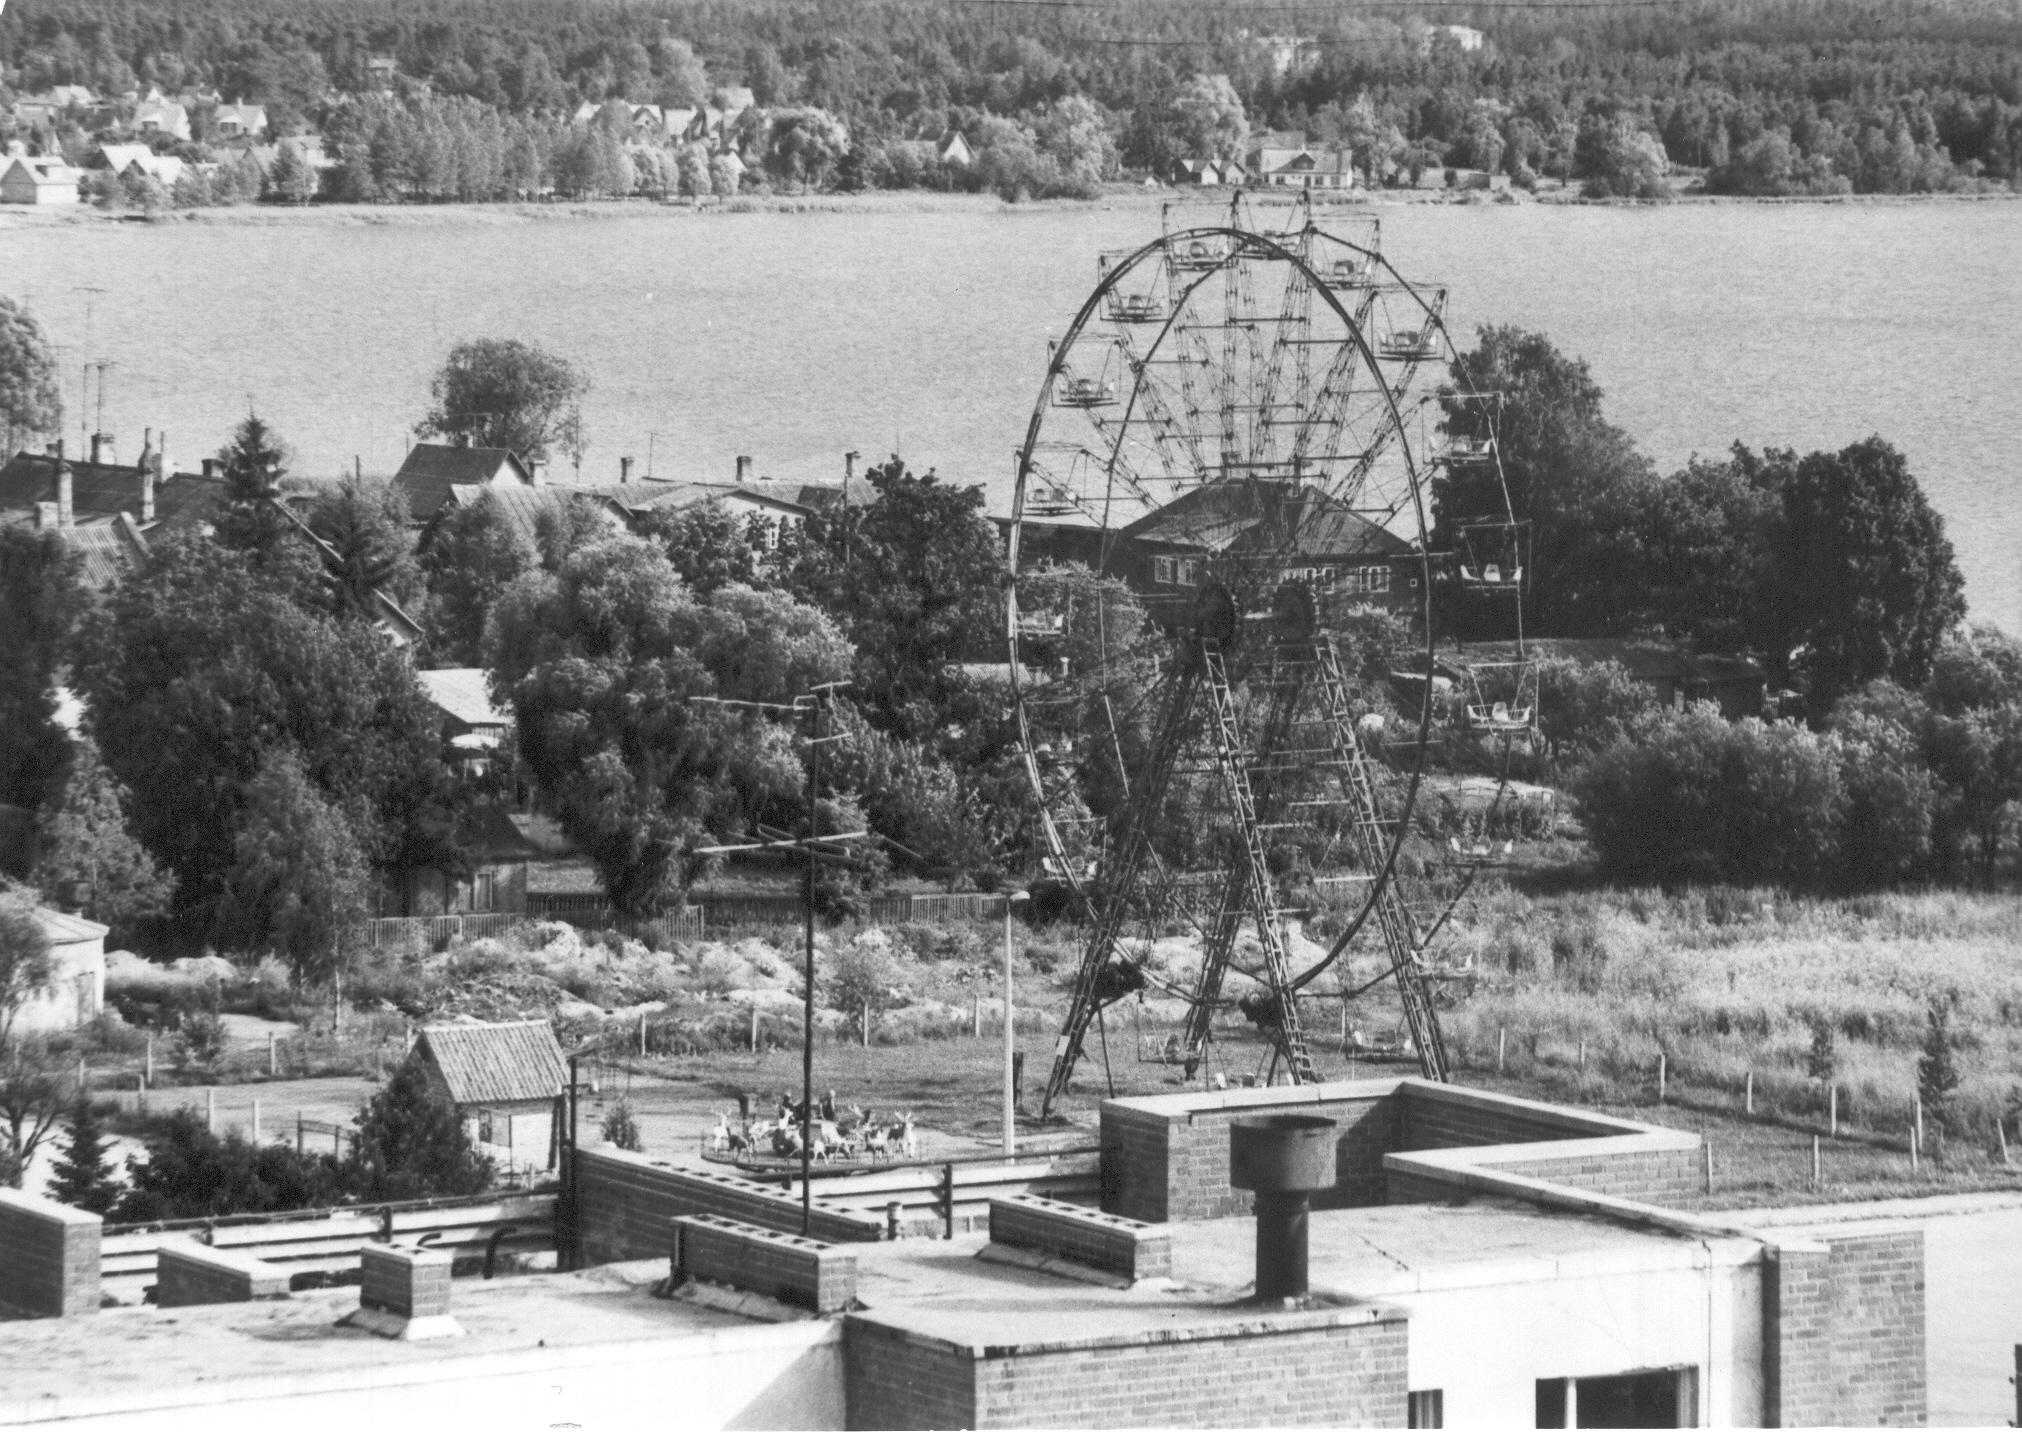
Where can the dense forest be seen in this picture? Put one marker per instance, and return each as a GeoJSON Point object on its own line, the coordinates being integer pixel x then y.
{"type": "Point", "coordinates": [1791, 96]}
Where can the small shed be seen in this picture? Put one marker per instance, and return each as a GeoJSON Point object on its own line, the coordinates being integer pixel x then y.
{"type": "Point", "coordinates": [76, 990]}
{"type": "Point", "coordinates": [507, 1083]}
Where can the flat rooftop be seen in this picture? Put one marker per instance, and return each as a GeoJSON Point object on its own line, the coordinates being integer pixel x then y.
{"type": "Point", "coordinates": [1356, 1256]}
{"type": "Point", "coordinates": [940, 1289]}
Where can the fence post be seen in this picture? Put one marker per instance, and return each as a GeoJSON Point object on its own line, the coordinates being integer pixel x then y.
{"type": "Point", "coordinates": [754, 1029]}
{"type": "Point", "coordinates": [300, 1147]}
{"type": "Point", "coordinates": [947, 1200]}
{"type": "Point", "coordinates": [273, 1056]}
{"type": "Point", "coordinates": [976, 1028]}
{"type": "Point", "coordinates": [642, 1036]}
{"type": "Point", "coordinates": [892, 1221]}
{"type": "Point", "coordinates": [150, 1057]}
{"type": "Point", "coordinates": [1832, 1106]}
{"type": "Point", "coordinates": [1501, 1047]}
{"type": "Point", "coordinates": [867, 1024]}
{"type": "Point", "coordinates": [1750, 1096]}
{"type": "Point", "coordinates": [1920, 1124]}
{"type": "Point", "coordinates": [1814, 1161]}
{"type": "Point", "coordinates": [1707, 1149]}
{"type": "Point", "coordinates": [210, 1111]}
{"type": "Point", "coordinates": [141, 1102]}
{"type": "Point", "coordinates": [1660, 1078]}
{"type": "Point", "coordinates": [1583, 1054]}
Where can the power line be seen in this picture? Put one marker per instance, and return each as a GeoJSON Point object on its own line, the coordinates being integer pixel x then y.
{"type": "Point", "coordinates": [1339, 11]}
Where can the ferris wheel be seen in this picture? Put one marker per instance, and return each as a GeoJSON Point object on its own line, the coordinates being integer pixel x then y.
{"type": "Point", "coordinates": [1222, 508]}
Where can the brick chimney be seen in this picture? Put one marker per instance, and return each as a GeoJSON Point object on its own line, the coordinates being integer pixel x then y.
{"type": "Point", "coordinates": [64, 490]}
{"type": "Point", "coordinates": [624, 469]}
{"type": "Point", "coordinates": [146, 468]}
{"type": "Point", "coordinates": [537, 469]}
{"type": "Point", "coordinates": [104, 449]}
{"type": "Point", "coordinates": [743, 468]}
{"type": "Point", "coordinates": [210, 467]}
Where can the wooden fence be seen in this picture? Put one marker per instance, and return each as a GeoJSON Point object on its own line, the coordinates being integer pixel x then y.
{"type": "Point", "coordinates": [328, 1240]}
{"type": "Point", "coordinates": [428, 933]}
{"type": "Point", "coordinates": [594, 912]}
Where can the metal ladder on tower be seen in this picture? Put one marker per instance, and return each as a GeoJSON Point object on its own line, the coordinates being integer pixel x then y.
{"type": "Point", "coordinates": [1263, 900]}
{"type": "Point", "coordinates": [1393, 920]}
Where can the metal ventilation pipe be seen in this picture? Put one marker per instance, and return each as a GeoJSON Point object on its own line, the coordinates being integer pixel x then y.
{"type": "Point", "coordinates": [1284, 1159]}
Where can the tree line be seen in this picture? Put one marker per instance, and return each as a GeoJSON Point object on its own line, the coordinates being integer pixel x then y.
{"type": "Point", "coordinates": [1789, 97]}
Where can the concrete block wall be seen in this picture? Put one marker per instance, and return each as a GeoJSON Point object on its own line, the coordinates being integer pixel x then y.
{"type": "Point", "coordinates": [626, 1201]}
{"type": "Point", "coordinates": [1877, 1322]}
{"type": "Point", "coordinates": [1082, 1235]}
{"type": "Point", "coordinates": [1166, 1158]}
{"type": "Point", "coordinates": [407, 1282]}
{"type": "Point", "coordinates": [1445, 1117]}
{"type": "Point", "coordinates": [49, 1256]}
{"type": "Point", "coordinates": [188, 1273]}
{"type": "Point", "coordinates": [1325, 1369]}
{"type": "Point", "coordinates": [796, 1270]}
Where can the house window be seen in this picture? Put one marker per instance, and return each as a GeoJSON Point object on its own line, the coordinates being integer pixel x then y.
{"type": "Point", "coordinates": [1189, 572]}
{"type": "Point", "coordinates": [483, 891]}
{"type": "Point", "coordinates": [484, 1126]}
{"type": "Point", "coordinates": [1376, 580]}
{"type": "Point", "coordinates": [1162, 570]}
{"type": "Point", "coordinates": [1428, 1409]}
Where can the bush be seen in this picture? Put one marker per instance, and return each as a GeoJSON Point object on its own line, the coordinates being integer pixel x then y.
{"type": "Point", "coordinates": [1687, 796]}
{"type": "Point", "coordinates": [190, 1172]}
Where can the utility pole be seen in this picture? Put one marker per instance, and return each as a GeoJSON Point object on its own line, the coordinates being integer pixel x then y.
{"type": "Point", "coordinates": [849, 472]}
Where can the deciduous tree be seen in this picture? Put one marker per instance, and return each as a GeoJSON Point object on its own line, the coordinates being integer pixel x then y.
{"type": "Point", "coordinates": [502, 393]}
{"type": "Point", "coordinates": [1865, 584]}
{"type": "Point", "coordinates": [474, 554]}
{"type": "Point", "coordinates": [88, 838]}
{"type": "Point", "coordinates": [602, 661]}
{"type": "Point", "coordinates": [31, 401]}
{"type": "Point", "coordinates": [39, 602]}
{"type": "Point", "coordinates": [298, 886]}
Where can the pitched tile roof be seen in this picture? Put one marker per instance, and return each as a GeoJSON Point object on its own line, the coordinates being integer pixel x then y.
{"type": "Point", "coordinates": [100, 489]}
{"type": "Point", "coordinates": [495, 1063]}
{"type": "Point", "coordinates": [431, 469]}
{"type": "Point", "coordinates": [65, 929]}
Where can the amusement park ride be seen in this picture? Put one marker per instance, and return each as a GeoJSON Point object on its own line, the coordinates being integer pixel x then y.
{"type": "Point", "coordinates": [1261, 399]}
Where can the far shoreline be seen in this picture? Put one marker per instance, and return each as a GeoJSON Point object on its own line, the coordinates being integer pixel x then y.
{"type": "Point", "coordinates": [23, 218]}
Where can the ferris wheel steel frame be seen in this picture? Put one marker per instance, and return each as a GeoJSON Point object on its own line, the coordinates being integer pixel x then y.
{"type": "Point", "coordinates": [1428, 342]}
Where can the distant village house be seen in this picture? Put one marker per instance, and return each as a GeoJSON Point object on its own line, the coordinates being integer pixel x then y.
{"type": "Point", "coordinates": [506, 1082]}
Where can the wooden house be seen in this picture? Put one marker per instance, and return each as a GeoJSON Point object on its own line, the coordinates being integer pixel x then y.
{"type": "Point", "coordinates": [498, 856]}
{"type": "Point", "coordinates": [507, 1082]}
{"type": "Point", "coordinates": [432, 469]}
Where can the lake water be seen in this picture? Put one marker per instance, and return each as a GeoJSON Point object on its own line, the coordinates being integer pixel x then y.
{"type": "Point", "coordinates": [796, 337]}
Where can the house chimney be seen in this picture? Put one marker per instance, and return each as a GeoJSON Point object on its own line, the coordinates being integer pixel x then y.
{"type": "Point", "coordinates": [537, 469]}
{"type": "Point", "coordinates": [103, 448]}
{"type": "Point", "coordinates": [624, 469]}
{"type": "Point", "coordinates": [45, 516]}
{"type": "Point", "coordinates": [148, 460]}
{"type": "Point", "coordinates": [210, 467]}
{"type": "Point", "coordinates": [743, 468]}
{"type": "Point", "coordinates": [64, 491]}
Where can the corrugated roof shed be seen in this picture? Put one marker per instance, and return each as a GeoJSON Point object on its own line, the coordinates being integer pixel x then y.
{"type": "Point", "coordinates": [495, 1063]}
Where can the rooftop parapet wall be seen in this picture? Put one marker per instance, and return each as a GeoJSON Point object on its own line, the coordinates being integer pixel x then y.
{"type": "Point", "coordinates": [1166, 1158]}
{"type": "Point", "coordinates": [1339, 1367]}
{"type": "Point", "coordinates": [49, 1256]}
{"type": "Point", "coordinates": [625, 1202]}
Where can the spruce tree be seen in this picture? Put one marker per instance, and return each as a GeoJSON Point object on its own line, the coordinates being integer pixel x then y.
{"type": "Point", "coordinates": [81, 1178]}
{"type": "Point", "coordinates": [1937, 1071]}
{"type": "Point", "coordinates": [412, 1144]}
